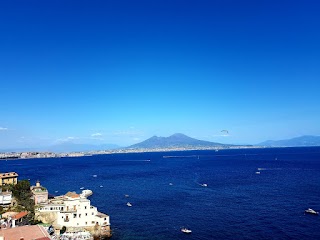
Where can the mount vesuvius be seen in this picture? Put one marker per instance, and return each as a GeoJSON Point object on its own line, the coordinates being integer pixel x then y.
{"type": "Point", "coordinates": [176, 140]}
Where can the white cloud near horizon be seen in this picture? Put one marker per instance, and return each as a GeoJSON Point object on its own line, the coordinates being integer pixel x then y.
{"type": "Point", "coordinates": [67, 139]}
{"type": "Point", "coordinates": [96, 134]}
{"type": "Point", "coordinates": [3, 129]}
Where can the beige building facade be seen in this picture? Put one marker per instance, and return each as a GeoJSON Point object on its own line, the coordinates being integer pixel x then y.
{"type": "Point", "coordinates": [40, 194]}
{"type": "Point", "coordinates": [8, 178]}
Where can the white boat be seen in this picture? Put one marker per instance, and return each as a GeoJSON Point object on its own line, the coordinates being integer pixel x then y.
{"type": "Point", "coordinates": [82, 188]}
{"type": "Point", "coordinates": [129, 204]}
{"type": "Point", "coordinates": [94, 175]}
{"type": "Point", "coordinates": [186, 230]}
{"type": "Point", "coordinates": [204, 185]}
{"type": "Point", "coordinates": [126, 195]}
{"type": "Point", "coordinates": [170, 184]}
{"type": "Point", "coordinates": [311, 211]}
{"type": "Point", "coordinates": [258, 172]}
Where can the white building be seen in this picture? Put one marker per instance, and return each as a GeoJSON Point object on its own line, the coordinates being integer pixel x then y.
{"type": "Point", "coordinates": [71, 210]}
{"type": "Point", "coordinates": [5, 198]}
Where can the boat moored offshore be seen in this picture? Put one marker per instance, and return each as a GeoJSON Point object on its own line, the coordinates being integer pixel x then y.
{"type": "Point", "coordinates": [311, 211]}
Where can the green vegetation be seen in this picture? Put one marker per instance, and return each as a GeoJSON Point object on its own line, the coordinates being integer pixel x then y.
{"type": "Point", "coordinates": [6, 187]}
{"type": "Point", "coordinates": [23, 195]}
{"type": "Point", "coordinates": [23, 200]}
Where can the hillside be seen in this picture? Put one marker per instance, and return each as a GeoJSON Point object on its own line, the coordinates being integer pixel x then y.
{"type": "Point", "coordinates": [302, 141]}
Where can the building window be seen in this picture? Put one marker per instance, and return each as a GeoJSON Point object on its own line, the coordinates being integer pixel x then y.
{"type": "Point", "coordinates": [86, 214]}
{"type": "Point", "coordinates": [85, 207]}
{"type": "Point", "coordinates": [79, 215]}
{"type": "Point", "coordinates": [74, 215]}
{"type": "Point", "coordinates": [86, 223]}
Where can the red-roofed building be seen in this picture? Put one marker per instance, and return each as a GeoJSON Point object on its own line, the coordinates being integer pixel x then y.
{"type": "Point", "coordinates": [18, 218]}
{"type": "Point", "coordinates": [32, 232]}
{"type": "Point", "coordinates": [20, 215]}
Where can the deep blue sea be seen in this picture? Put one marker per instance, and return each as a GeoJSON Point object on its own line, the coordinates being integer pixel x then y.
{"type": "Point", "coordinates": [166, 193]}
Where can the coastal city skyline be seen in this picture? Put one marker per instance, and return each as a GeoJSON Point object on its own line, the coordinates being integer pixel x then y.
{"type": "Point", "coordinates": [120, 72]}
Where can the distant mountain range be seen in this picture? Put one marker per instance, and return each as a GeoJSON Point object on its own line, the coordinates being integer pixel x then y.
{"type": "Point", "coordinates": [302, 141]}
{"type": "Point", "coordinates": [176, 140]}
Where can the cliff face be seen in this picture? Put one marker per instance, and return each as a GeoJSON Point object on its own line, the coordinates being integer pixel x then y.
{"type": "Point", "coordinates": [100, 232]}
{"type": "Point", "coordinates": [50, 218]}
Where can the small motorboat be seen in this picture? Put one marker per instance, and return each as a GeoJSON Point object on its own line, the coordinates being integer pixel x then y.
{"type": "Point", "coordinates": [204, 185]}
{"type": "Point", "coordinates": [82, 188]}
{"type": "Point", "coordinates": [129, 204]}
{"type": "Point", "coordinates": [258, 172]}
{"type": "Point", "coordinates": [311, 211]}
{"type": "Point", "coordinates": [186, 230]}
{"type": "Point", "coordinates": [126, 195]}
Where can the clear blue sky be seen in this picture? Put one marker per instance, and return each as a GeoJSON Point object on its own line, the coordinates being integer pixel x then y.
{"type": "Point", "coordinates": [122, 71]}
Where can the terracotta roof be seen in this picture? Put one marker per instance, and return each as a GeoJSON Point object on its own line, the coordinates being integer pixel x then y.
{"type": "Point", "coordinates": [35, 232]}
{"type": "Point", "coordinates": [8, 175]}
{"type": "Point", "coordinates": [20, 215]}
{"type": "Point", "coordinates": [72, 194]}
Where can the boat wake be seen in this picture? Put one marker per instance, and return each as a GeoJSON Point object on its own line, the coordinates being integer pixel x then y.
{"type": "Point", "coordinates": [269, 169]}
{"type": "Point", "coordinates": [142, 160]}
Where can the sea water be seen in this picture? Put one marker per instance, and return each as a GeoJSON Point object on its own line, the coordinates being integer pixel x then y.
{"type": "Point", "coordinates": [167, 193]}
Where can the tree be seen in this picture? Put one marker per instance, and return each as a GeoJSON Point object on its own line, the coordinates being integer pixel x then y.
{"type": "Point", "coordinates": [22, 193]}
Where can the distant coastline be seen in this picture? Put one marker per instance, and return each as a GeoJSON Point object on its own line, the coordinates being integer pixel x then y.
{"type": "Point", "coordinates": [35, 155]}
{"type": "Point", "coordinates": [175, 142]}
